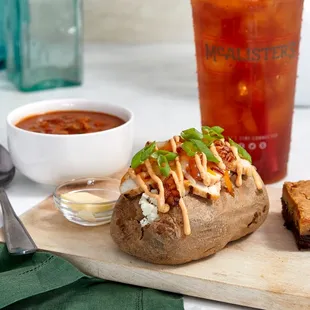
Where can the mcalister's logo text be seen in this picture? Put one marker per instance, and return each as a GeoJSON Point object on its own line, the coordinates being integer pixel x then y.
{"type": "Point", "coordinates": [255, 54]}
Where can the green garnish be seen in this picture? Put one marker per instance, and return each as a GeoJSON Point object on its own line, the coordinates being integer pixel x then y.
{"type": "Point", "coordinates": [189, 148]}
{"type": "Point", "coordinates": [242, 152]}
{"type": "Point", "coordinates": [204, 149]}
{"type": "Point", "coordinates": [163, 165]}
{"type": "Point", "coordinates": [215, 131]}
{"type": "Point", "coordinates": [169, 155]}
{"type": "Point", "coordinates": [195, 141]}
{"type": "Point", "coordinates": [208, 140]}
{"type": "Point", "coordinates": [191, 133]}
{"type": "Point", "coordinates": [163, 157]}
{"type": "Point", "coordinates": [143, 155]}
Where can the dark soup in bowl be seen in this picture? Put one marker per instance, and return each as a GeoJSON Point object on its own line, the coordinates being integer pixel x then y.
{"type": "Point", "coordinates": [69, 122]}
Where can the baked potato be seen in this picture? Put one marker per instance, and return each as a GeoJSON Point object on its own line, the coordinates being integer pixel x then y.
{"type": "Point", "coordinates": [191, 204]}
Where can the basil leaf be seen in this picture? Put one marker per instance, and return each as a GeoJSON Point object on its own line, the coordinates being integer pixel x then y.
{"type": "Point", "coordinates": [204, 149]}
{"type": "Point", "coordinates": [189, 148]}
{"type": "Point", "coordinates": [191, 133]}
{"type": "Point", "coordinates": [242, 152]}
{"type": "Point", "coordinates": [215, 131]}
{"type": "Point", "coordinates": [169, 155]}
{"type": "Point", "coordinates": [163, 165]}
{"type": "Point", "coordinates": [140, 157]}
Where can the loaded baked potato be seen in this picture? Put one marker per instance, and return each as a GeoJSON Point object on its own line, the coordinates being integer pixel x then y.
{"type": "Point", "coordinates": [187, 198]}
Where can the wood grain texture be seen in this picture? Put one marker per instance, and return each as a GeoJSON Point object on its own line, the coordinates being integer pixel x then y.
{"type": "Point", "coordinates": [264, 270]}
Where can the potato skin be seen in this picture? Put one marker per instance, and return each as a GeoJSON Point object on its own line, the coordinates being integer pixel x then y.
{"type": "Point", "coordinates": [214, 224]}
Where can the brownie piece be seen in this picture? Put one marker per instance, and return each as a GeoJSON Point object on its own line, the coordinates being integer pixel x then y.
{"type": "Point", "coordinates": [296, 211]}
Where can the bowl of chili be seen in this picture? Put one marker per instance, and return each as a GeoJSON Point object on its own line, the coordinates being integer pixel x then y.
{"type": "Point", "coordinates": [55, 141]}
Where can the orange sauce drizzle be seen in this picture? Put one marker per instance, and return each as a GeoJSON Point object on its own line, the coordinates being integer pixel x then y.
{"type": "Point", "coordinates": [173, 143]}
{"type": "Point", "coordinates": [217, 156]}
{"type": "Point", "coordinates": [186, 223]}
{"type": "Point", "coordinates": [161, 205]}
{"type": "Point", "coordinates": [178, 177]}
{"type": "Point", "coordinates": [247, 170]}
{"type": "Point", "coordinates": [179, 182]}
{"type": "Point", "coordinates": [202, 168]}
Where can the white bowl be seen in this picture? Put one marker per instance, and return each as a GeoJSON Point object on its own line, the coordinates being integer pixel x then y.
{"type": "Point", "coordinates": [53, 159]}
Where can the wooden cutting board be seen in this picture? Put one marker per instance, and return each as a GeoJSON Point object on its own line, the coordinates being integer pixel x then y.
{"type": "Point", "coordinates": [264, 270]}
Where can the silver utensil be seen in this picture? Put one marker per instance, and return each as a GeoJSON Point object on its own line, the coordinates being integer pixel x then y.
{"type": "Point", "coordinates": [17, 238]}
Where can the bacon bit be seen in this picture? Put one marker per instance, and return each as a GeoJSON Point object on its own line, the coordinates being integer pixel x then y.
{"type": "Point", "coordinates": [140, 169]}
{"type": "Point", "coordinates": [183, 156]}
{"type": "Point", "coordinates": [217, 169]}
{"type": "Point", "coordinates": [228, 183]}
{"type": "Point", "coordinates": [172, 196]}
{"type": "Point", "coordinates": [224, 152]}
{"type": "Point", "coordinates": [179, 149]}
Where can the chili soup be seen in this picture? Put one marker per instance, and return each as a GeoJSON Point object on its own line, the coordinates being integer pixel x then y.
{"type": "Point", "coordinates": [69, 122]}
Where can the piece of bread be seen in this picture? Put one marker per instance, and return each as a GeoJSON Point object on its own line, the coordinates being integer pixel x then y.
{"type": "Point", "coordinates": [296, 211]}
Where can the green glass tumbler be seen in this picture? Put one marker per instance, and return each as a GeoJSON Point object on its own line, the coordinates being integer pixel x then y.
{"type": "Point", "coordinates": [44, 43]}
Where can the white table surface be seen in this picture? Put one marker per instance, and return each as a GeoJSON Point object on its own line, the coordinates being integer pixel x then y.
{"type": "Point", "coordinates": [160, 79]}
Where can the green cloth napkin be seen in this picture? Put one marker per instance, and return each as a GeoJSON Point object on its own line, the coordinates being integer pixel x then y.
{"type": "Point", "coordinates": [45, 281]}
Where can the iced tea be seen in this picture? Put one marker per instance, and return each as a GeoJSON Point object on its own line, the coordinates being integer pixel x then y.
{"type": "Point", "coordinates": [247, 55]}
